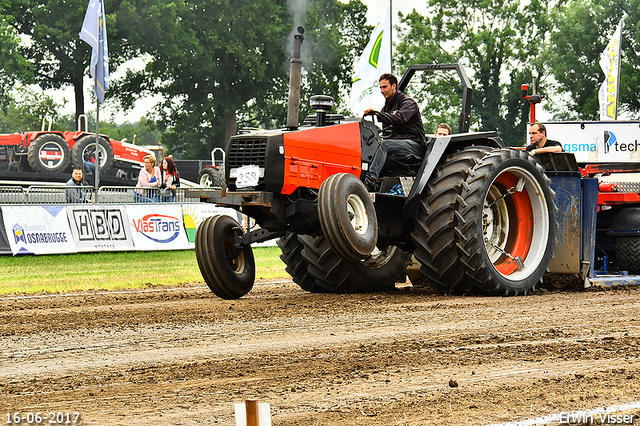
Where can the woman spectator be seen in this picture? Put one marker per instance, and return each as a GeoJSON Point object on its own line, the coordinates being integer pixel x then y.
{"type": "Point", "coordinates": [149, 178]}
{"type": "Point", "coordinates": [170, 180]}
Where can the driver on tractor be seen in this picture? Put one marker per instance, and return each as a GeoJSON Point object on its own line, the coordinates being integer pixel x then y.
{"type": "Point", "coordinates": [407, 141]}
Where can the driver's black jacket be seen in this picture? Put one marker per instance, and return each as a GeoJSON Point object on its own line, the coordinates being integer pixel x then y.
{"type": "Point", "coordinates": [405, 117]}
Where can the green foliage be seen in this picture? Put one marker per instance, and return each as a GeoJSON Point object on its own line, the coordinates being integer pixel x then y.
{"type": "Point", "coordinates": [14, 66]}
{"type": "Point", "coordinates": [52, 46]}
{"type": "Point", "coordinates": [492, 39]}
{"type": "Point", "coordinates": [582, 31]}
{"type": "Point", "coordinates": [224, 64]}
{"type": "Point", "coordinates": [28, 111]}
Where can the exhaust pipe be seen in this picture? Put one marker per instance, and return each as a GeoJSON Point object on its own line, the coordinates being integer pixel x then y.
{"type": "Point", "coordinates": [295, 75]}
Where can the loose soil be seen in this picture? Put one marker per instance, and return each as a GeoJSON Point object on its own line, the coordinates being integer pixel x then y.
{"type": "Point", "coordinates": [182, 356]}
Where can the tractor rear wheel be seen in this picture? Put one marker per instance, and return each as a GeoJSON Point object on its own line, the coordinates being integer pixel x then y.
{"type": "Point", "coordinates": [212, 177]}
{"type": "Point", "coordinates": [377, 272]}
{"type": "Point", "coordinates": [84, 145]}
{"type": "Point", "coordinates": [296, 266]}
{"type": "Point", "coordinates": [49, 152]}
{"type": "Point", "coordinates": [628, 254]}
{"type": "Point", "coordinates": [347, 216]}
{"type": "Point", "coordinates": [228, 271]}
{"type": "Point", "coordinates": [506, 223]}
{"type": "Point", "coordinates": [434, 227]}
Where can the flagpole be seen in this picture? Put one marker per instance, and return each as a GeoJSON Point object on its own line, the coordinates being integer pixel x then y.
{"type": "Point", "coordinates": [615, 111]}
{"type": "Point", "coordinates": [391, 34]}
{"type": "Point", "coordinates": [95, 150]}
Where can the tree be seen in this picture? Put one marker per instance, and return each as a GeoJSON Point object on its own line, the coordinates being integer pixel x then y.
{"type": "Point", "coordinates": [494, 40]}
{"type": "Point", "coordinates": [217, 62]}
{"type": "Point", "coordinates": [14, 66]}
{"type": "Point", "coordinates": [53, 48]}
{"type": "Point", "coordinates": [582, 31]}
{"type": "Point", "coordinates": [28, 110]}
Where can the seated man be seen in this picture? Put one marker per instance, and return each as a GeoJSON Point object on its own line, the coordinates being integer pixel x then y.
{"type": "Point", "coordinates": [443, 129]}
{"type": "Point", "coordinates": [539, 142]}
{"type": "Point", "coordinates": [75, 193]}
{"type": "Point", "coordinates": [407, 140]}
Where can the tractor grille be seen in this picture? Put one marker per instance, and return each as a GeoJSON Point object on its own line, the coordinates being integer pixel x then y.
{"type": "Point", "coordinates": [244, 152]}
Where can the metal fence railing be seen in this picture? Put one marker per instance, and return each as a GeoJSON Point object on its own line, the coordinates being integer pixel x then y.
{"type": "Point", "coordinates": [59, 195]}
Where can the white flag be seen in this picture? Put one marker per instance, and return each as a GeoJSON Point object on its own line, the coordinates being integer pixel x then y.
{"type": "Point", "coordinates": [610, 64]}
{"type": "Point", "coordinates": [375, 61]}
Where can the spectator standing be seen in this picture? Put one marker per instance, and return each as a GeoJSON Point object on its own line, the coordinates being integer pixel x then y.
{"type": "Point", "coordinates": [170, 180]}
{"type": "Point", "coordinates": [75, 193]}
{"type": "Point", "coordinates": [149, 178]}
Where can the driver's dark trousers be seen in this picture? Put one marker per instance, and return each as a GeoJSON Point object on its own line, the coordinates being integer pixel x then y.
{"type": "Point", "coordinates": [394, 149]}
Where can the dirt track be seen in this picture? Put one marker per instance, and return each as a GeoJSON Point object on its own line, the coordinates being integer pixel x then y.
{"type": "Point", "coordinates": [181, 356]}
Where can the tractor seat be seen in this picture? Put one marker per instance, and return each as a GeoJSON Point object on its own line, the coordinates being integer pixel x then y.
{"type": "Point", "coordinates": [406, 167]}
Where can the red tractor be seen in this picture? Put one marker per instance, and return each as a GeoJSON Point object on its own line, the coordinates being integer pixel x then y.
{"type": "Point", "coordinates": [48, 151]}
{"type": "Point", "coordinates": [475, 214]}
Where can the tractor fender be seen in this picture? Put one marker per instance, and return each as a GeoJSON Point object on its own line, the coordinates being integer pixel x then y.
{"type": "Point", "coordinates": [626, 222]}
{"type": "Point", "coordinates": [437, 147]}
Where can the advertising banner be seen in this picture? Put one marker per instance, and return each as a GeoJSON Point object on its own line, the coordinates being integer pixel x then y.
{"type": "Point", "coordinates": [598, 142]}
{"type": "Point", "coordinates": [194, 214]}
{"type": "Point", "coordinates": [154, 228]}
{"type": "Point", "coordinates": [38, 230]}
{"type": "Point", "coordinates": [97, 228]}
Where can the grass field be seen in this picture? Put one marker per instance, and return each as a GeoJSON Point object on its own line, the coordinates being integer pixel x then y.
{"type": "Point", "coordinates": [116, 270]}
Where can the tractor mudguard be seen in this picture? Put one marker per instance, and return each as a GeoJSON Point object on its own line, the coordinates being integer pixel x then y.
{"type": "Point", "coordinates": [437, 147]}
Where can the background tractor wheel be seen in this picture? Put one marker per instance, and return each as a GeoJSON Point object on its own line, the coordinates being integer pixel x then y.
{"type": "Point", "coordinates": [506, 223]}
{"type": "Point", "coordinates": [212, 177]}
{"type": "Point", "coordinates": [379, 271]}
{"type": "Point", "coordinates": [296, 266]}
{"type": "Point", "coordinates": [628, 254]}
{"type": "Point", "coordinates": [229, 272]}
{"type": "Point", "coordinates": [434, 227]}
{"type": "Point", "coordinates": [347, 216]}
{"type": "Point", "coordinates": [86, 144]}
{"type": "Point", "coordinates": [49, 152]}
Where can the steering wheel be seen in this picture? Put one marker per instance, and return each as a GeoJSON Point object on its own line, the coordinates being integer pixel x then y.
{"type": "Point", "coordinates": [385, 122]}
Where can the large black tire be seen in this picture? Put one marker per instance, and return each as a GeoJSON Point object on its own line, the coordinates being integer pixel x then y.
{"type": "Point", "coordinates": [105, 152]}
{"type": "Point", "coordinates": [49, 152]}
{"type": "Point", "coordinates": [506, 223]}
{"type": "Point", "coordinates": [296, 266]}
{"type": "Point", "coordinates": [347, 216]}
{"type": "Point", "coordinates": [628, 254]}
{"type": "Point", "coordinates": [212, 177]}
{"type": "Point", "coordinates": [229, 272]}
{"type": "Point", "coordinates": [379, 271]}
{"type": "Point", "coordinates": [434, 228]}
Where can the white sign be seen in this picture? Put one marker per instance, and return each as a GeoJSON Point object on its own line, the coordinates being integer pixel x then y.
{"type": "Point", "coordinates": [598, 142]}
{"type": "Point", "coordinates": [247, 176]}
{"type": "Point", "coordinates": [154, 228]}
{"type": "Point", "coordinates": [100, 229]}
{"type": "Point", "coordinates": [38, 230]}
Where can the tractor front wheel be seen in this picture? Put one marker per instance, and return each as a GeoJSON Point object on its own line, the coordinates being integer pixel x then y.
{"type": "Point", "coordinates": [348, 216]}
{"type": "Point", "coordinates": [229, 271]}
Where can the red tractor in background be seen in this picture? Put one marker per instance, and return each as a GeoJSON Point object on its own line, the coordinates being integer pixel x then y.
{"type": "Point", "coordinates": [49, 151]}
